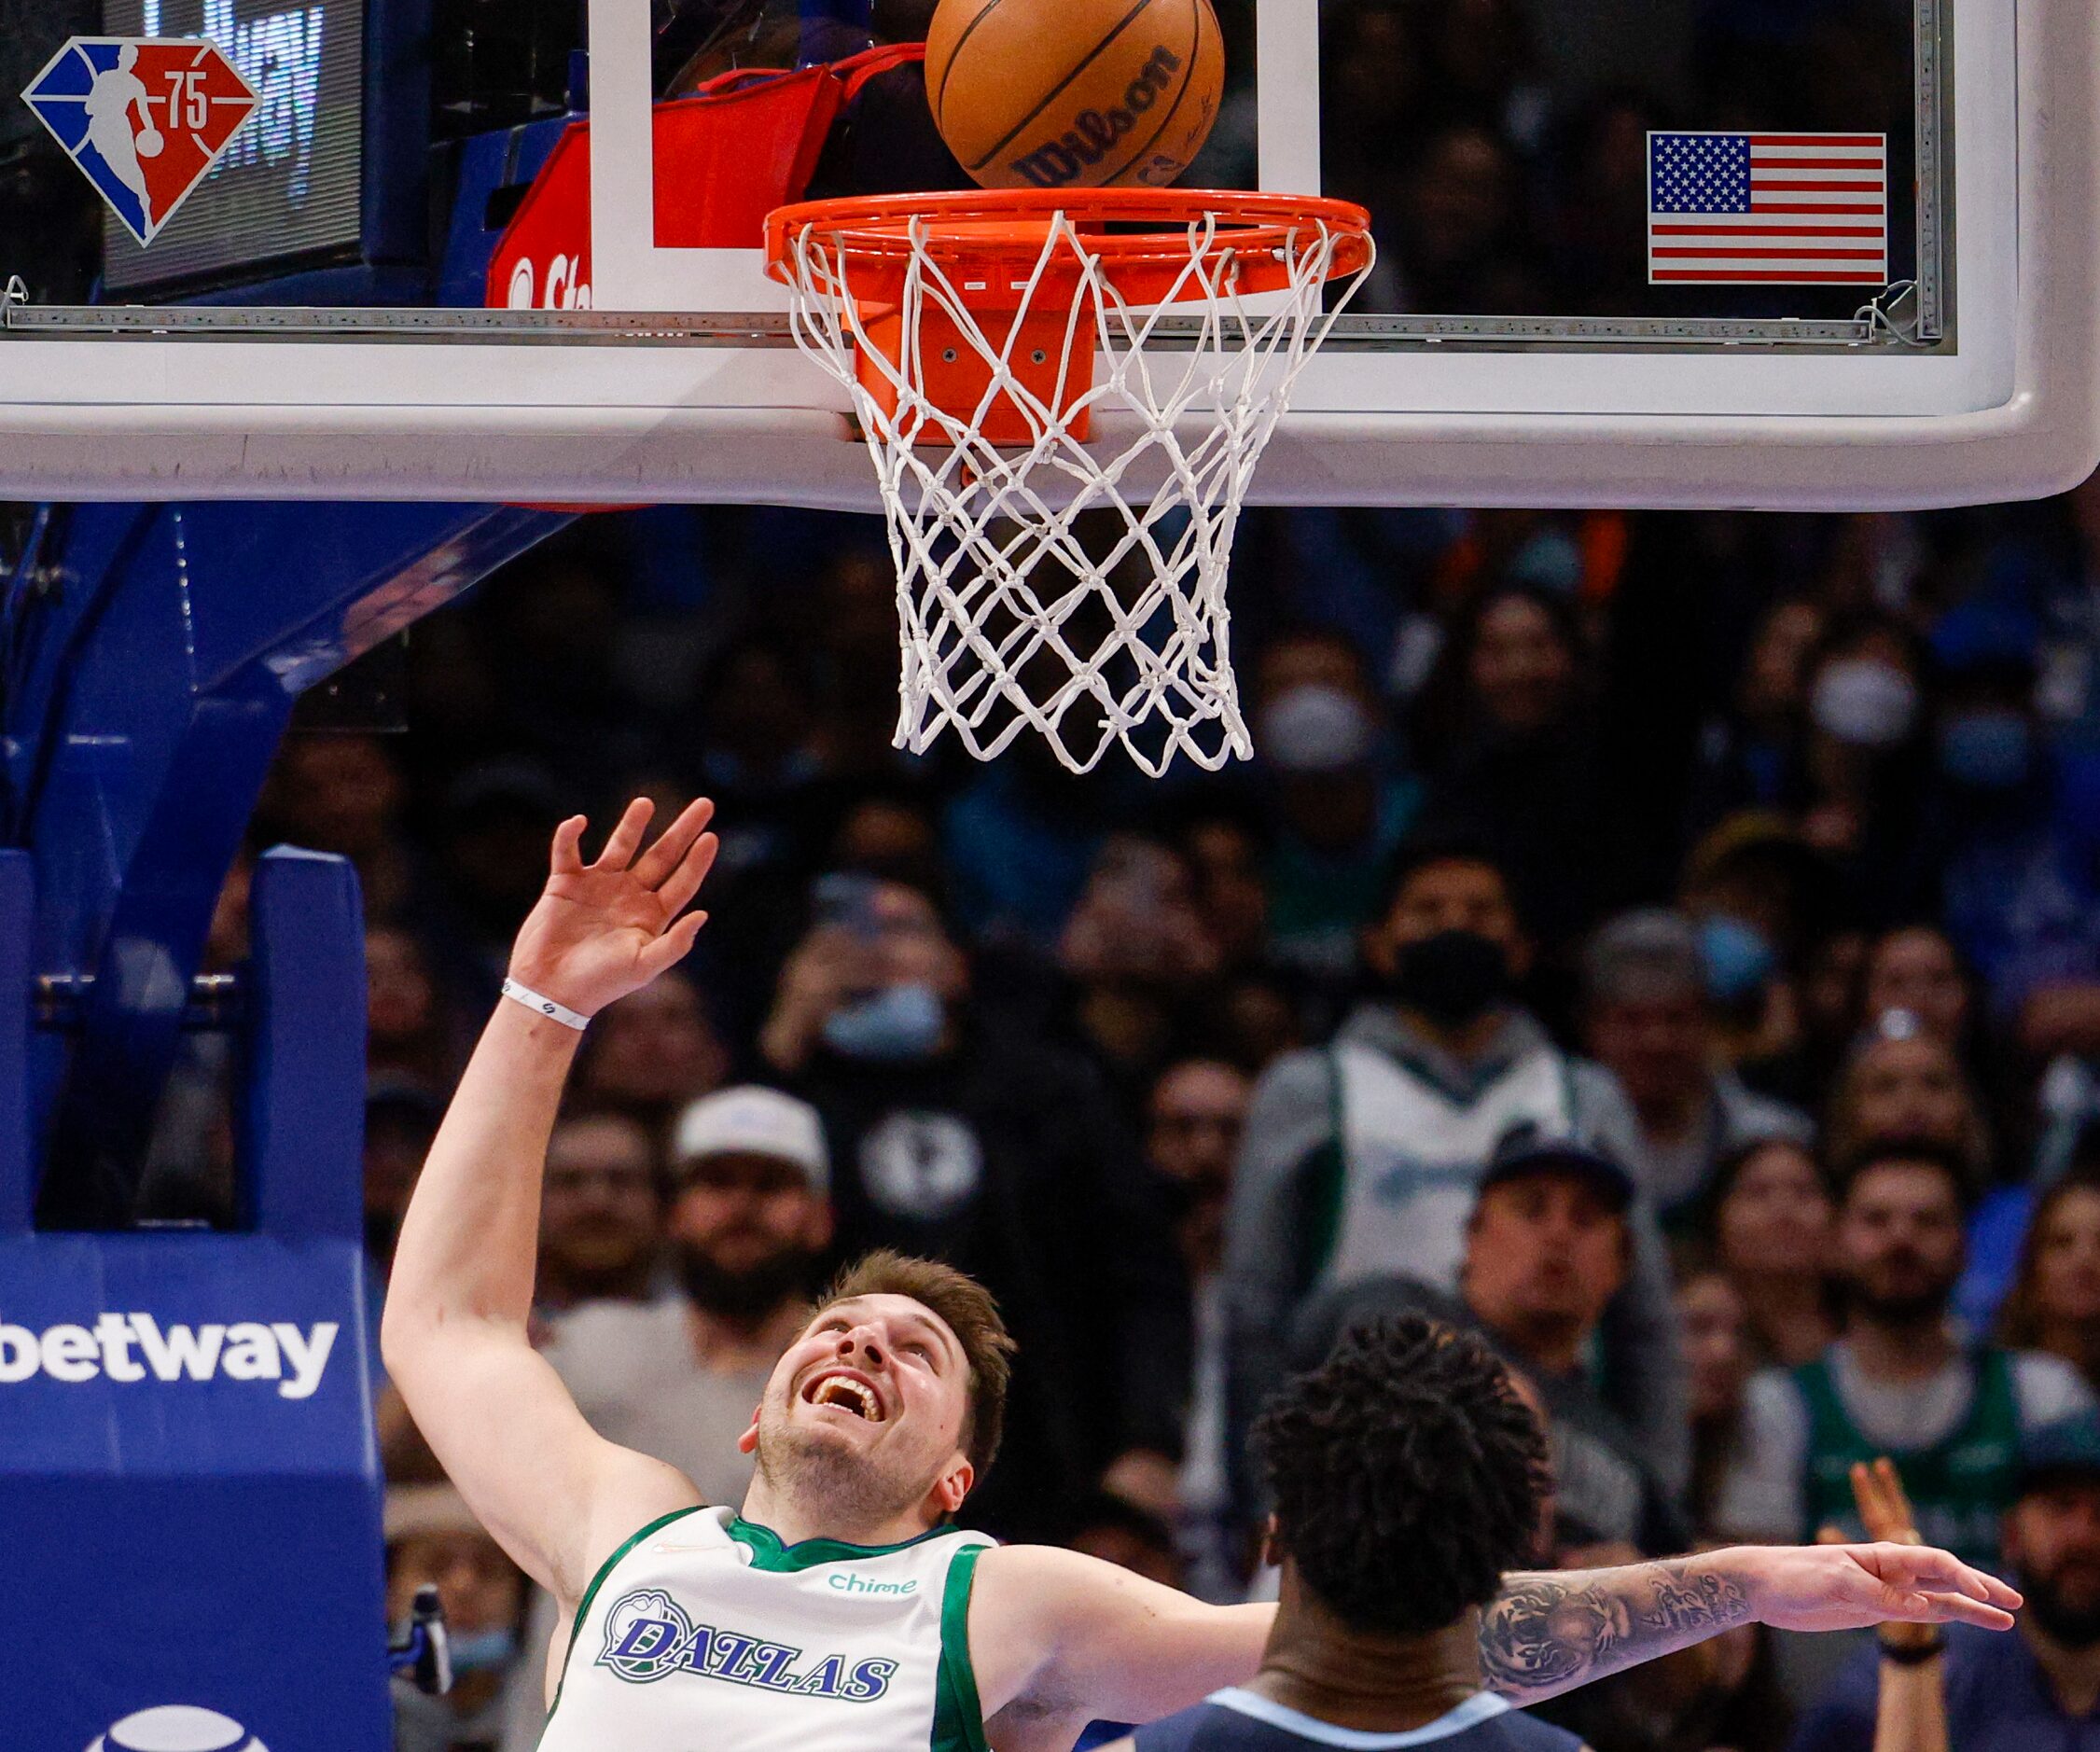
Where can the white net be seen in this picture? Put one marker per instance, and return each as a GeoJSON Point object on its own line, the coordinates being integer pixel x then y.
{"type": "Point", "coordinates": [1075, 587]}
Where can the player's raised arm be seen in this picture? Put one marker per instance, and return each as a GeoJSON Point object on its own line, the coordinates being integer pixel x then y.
{"type": "Point", "coordinates": [555, 1493]}
{"type": "Point", "coordinates": [1551, 1632]}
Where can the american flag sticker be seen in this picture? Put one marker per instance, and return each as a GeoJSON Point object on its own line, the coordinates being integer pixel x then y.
{"type": "Point", "coordinates": [1795, 208]}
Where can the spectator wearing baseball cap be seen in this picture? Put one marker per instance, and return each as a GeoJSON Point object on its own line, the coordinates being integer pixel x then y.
{"type": "Point", "coordinates": [2039, 1686]}
{"type": "Point", "coordinates": [1549, 1243]}
{"type": "Point", "coordinates": [749, 1220]}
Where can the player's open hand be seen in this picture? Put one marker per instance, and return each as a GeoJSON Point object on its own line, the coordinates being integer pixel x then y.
{"type": "Point", "coordinates": [604, 929]}
{"type": "Point", "coordinates": [1847, 1587]}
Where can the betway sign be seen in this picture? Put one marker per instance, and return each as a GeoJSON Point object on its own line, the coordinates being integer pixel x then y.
{"type": "Point", "coordinates": [245, 1350]}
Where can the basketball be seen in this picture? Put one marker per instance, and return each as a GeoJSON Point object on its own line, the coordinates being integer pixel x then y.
{"type": "Point", "coordinates": [1074, 93]}
{"type": "Point", "coordinates": [149, 142]}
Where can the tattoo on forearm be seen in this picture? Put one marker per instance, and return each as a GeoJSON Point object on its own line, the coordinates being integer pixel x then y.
{"type": "Point", "coordinates": [1551, 1631]}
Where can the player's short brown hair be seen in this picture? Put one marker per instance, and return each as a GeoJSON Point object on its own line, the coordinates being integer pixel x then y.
{"type": "Point", "coordinates": [970, 1312]}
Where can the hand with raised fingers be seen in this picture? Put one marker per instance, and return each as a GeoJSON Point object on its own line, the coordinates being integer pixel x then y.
{"type": "Point", "coordinates": [1885, 1511]}
{"type": "Point", "coordinates": [603, 929]}
{"type": "Point", "coordinates": [1848, 1586]}
{"type": "Point", "coordinates": [1885, 1506]}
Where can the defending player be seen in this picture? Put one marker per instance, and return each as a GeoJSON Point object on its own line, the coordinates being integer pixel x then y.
{"type": "Point", "coordinates": [839, 1611]}
{"type": "Point", "coordinates": [1409, 1478]}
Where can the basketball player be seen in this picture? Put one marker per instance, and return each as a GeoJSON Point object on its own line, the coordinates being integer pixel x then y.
{"type": "Point", "coordinates": [1408, 1478]}
{"type": "Point", "coordinates": [842, 1608]}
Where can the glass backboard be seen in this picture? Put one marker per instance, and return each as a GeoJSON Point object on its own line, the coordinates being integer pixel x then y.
{"type": "Point", "coordinates": [1675, 251]}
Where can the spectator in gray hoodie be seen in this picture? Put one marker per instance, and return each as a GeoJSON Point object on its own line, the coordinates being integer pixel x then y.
{"type": "Point", "coordinates": [1363, 1159]}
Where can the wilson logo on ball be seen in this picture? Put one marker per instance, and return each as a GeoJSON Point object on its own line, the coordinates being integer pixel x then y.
{"type": "Point", "coordinates": [1093, 132]}
{"type": "Point", "coordinates": [1074, 93]}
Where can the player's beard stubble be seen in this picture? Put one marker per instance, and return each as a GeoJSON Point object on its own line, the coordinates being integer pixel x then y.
{"type": "Point", "coordinates": [817, 1467]}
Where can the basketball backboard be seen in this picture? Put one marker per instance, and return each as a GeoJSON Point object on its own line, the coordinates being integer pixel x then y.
{"type": "Point", "coordinates": [1821, 253]}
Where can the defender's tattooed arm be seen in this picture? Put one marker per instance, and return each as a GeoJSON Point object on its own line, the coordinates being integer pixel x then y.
{"type": "Point", "coordinates": [1551, 1631]}
{"type": "Point", "coordinates": [1058, 1639]}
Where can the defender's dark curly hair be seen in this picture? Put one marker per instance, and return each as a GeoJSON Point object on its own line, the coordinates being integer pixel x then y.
{"type": "Point", "coordinates": [1407, 1475]}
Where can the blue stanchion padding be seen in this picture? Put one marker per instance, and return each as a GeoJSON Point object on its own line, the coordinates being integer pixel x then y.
{"type": "Point", "coordinates": [189, 1492]}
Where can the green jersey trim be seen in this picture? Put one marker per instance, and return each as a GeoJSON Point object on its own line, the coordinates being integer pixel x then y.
{"type": "Point", "coordinates": [958, 1715]}
{"type": "Point", "coordinates": [769, 1552]}
{"type": "Point", "coordinates": [591, 1594]}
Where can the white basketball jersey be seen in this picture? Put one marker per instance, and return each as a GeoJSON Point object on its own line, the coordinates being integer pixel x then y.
{"type": "Point", "coordinates": [705, 1631]}
{"type": "Point", "coordinates": [1414, 1158]}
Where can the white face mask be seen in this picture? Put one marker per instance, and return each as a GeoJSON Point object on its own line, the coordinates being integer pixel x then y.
{"type": "Point", "coordinates": [1864, 702]}
{"type": "Point", "coordinates": [1314, 727]}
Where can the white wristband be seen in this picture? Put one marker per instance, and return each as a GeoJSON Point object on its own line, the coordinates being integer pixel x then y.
{"type": "Point", "coordinates": [545, 1005]}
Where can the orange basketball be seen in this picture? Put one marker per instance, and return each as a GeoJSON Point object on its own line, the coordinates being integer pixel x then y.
{"type": "Point", "coordinates": [1073, 93]}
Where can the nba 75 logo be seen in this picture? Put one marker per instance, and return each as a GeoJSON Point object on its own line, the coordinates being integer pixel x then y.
{"type": "Point", "coordinates": [648, 1635]}
{"type": "Point", "coordinates": [144, 118]}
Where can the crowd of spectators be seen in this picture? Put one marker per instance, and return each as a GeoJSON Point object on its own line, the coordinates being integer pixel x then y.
{"type": "Point", "coordinates": [1685, 971]}
{"type": "Point", "coordinates": [1666, 943]}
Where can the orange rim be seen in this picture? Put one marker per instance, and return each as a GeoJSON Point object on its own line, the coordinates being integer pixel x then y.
{"type": "Point", "coordinates": [1006, 229]}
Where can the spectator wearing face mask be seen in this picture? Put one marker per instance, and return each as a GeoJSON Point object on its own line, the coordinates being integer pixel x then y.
{"type": "Point", "coordinates": [495, 1705]}
{"type": "Point", "coordinates": [1865, 766]}
{"type": "Point", "coordinates": [1915, 968]}
{"type": "Point", "coordinates": [1337, 801]}
{"type": "Point", "coordinates": [1363, 1159]}
{"type": "Point", "coordinates": [1762, 901]}
{"type": "Point", "coordinates": [1648, 1020]}
{"type": "Point", "coordinates": [955, 1135]}
{"type": "Point", "coordinates": [2039, 1686]}
{"type": "Point", "coordinates": [2020, 825]}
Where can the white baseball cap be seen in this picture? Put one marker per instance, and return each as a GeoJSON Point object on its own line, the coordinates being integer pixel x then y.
{"type": "Point", "coordinates": [751, 1120]}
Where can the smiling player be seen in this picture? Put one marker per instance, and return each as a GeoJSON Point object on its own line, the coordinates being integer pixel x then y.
{"type": "Point", "coordinates": [839, 1609]}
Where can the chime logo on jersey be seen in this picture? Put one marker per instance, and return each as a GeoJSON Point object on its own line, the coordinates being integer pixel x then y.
{"type": "Point", "coordinates": [143, 117]}
{"type": "Point", "coordinates": [649, 1636]}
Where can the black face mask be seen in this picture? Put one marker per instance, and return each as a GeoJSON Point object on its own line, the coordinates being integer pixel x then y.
{"type": "Point", "coordinates": [1184, 1196]}
{"type": "Point", "coordinates": [1451, 978]}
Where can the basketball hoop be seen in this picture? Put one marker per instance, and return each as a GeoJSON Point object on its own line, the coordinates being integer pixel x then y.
{"type": "Point", "coordinates": [1063, 454]}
